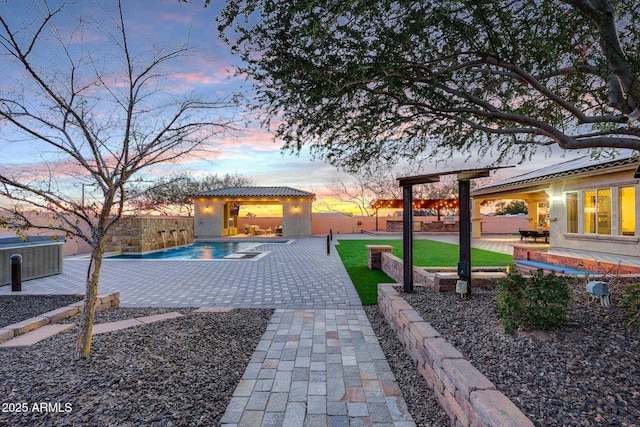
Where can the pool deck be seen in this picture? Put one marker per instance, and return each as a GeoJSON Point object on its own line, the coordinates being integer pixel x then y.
{"type": "Point", "coordinates": [295, 275]}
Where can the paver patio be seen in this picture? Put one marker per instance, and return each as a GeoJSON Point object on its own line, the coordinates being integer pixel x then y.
{"type": "Point", "coordinates": [296, 275]}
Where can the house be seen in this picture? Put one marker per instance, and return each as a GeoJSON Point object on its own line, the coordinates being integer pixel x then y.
{"type": "Point", "coordinates": [587, 204]}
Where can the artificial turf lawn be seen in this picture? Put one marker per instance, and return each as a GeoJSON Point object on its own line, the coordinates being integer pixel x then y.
{"type": "Point", "coordinates": [426, 253]}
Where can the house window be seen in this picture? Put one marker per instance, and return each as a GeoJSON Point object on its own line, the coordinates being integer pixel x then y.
{"type": "Point", "coordinates": [597, 211]}
{"type": "Point", "coordinates": [590, 211]}
{"type": "Point", "coordinates": [572, 212]}
{"type": "Point", "coordinates": [627, 204]}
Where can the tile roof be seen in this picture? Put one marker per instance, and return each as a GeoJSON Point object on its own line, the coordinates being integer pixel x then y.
{"type": "Point", "coordinates": [254, 192]}
{"type": "Point", "coordinates": [571, 167]}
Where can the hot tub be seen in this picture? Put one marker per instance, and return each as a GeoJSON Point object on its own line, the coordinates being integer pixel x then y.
{"type": "Point", "coordinates": [41, 256]}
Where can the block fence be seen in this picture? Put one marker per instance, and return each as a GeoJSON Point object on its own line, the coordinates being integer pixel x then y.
{"type": "Point", "coordinates": [466, 395]}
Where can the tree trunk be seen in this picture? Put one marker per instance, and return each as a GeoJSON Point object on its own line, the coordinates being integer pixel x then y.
{"type": "Point", "coordinates": [83, 345]}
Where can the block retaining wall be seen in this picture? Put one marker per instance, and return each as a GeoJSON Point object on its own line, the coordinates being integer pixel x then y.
{"type": "Point", "coordinates": [439, 280]}
{"type": "Point", "coordinates": [467, 396]}
{"type": "Point", "coordinates": [103, 302]}
{"type": "Point", "coordinates": [392, 266]}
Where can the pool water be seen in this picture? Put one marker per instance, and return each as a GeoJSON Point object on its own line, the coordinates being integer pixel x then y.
{"type": "Point", "coordinates": [200, 250]}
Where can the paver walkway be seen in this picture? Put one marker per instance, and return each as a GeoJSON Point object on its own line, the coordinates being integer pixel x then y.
{"type": "Point", "coordinates": [318, 362]}
{"type": "Point", "coordinates": [318, 368]}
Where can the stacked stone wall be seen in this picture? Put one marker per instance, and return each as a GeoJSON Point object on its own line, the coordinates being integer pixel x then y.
{"type": "Point", "coordinates": [425, 226]}
{"type": "Point", "coordinates": [145, 234]}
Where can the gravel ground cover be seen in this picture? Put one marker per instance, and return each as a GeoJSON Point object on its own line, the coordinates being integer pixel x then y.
{"type": "Point", "coordinates": [421, 402]}
{"type": "Point", "coordinates": [16, 308]}
{"type": "Point", "coordinates": [583, 373]}
{"type": "Point", "coordinates": [179, 372]}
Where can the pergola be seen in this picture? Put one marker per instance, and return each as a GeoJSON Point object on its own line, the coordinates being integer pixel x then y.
{"type": "Point", "coordinates": [464, 199]}
{"type": "Point", "coordinates": [434, 204]}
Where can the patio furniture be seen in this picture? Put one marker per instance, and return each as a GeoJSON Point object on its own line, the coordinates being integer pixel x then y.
{"type": "Point", "coordinates": [534, 235]}
{"type": "Point", "coordinates": [524, 234]}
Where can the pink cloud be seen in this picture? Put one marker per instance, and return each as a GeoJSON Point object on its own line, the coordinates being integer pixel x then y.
{"type": "Point", "coordinates": [175, 17]}
{"type": "Point", "coordinates": [197, 77]}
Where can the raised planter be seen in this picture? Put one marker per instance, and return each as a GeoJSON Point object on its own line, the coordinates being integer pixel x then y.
{"type": "Point", "coordinates": [439, 278]}
{"type": "Point", "coordinates": [595, 267]}
{"type": "Point", "coordinates": [374, 255]}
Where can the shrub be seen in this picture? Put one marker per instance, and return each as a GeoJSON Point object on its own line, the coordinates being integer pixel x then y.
{"type": "Point", "coordinates": [536, 302]}
{"type": "Point", "coordinates": [630, 303]}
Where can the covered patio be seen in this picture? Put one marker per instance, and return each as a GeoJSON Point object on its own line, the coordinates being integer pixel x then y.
{"type": "Point", "coordinates": [537, 200]}
{"type": "Point", "coordinates": [217, 212]}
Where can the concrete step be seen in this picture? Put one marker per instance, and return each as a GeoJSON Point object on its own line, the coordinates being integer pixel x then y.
{"type": "Point", "coordinates": [214, 309]}
{"type": "Point", "coordinates": [101, 328]}
{"type": "Point", "coordinates": [37, 335]}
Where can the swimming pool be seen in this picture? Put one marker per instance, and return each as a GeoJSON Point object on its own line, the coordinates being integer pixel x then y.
{"type": "Point", "coordinates": [199, 251]}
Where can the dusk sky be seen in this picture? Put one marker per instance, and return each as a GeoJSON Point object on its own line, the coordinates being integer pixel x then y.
{"type": "Point", "coordinates": [209, 73]}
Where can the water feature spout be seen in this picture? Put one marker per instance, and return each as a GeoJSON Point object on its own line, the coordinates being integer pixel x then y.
{"type": "Point", "coordinates": [163, 233]}
{"type": "Point", "coordinates": [184, 235]}
{"type": "Point", "coordinates": [174, 233]}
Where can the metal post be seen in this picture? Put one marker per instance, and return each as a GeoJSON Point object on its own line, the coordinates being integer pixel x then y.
{"type": "Point", "coordinates": [16, 273]}
{"type": "Point", "coordinates": [464, 195]}
{"type": "Point", "coordinates": [407, 237]}
{"type": "Point", "coordinates": [328, 245]}
{"type": "Point", "coordinates": [331, 233]}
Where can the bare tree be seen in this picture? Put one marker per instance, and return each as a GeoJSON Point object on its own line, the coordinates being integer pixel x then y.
{"type": "Point", "coordinates": [173, 195]}
{"type": "Point", "coordinates": [96, 117]}
{"type": "Point", "coordinates": [352, 189]}
{"type": "Point", "coordinates": [383, 186]}
{"type": "Point", "coordinates": [364, 188]}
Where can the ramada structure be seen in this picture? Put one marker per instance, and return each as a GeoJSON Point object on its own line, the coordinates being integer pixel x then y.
{"type": "Point", "coordinates": [586, 204]}
{"type": "Point", "coordinates": [216, 212]}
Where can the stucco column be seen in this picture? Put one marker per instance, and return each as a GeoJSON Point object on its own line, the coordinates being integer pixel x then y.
{"type": "Point", "coordinates": [296, 217]}
{"type": "Point", "coordinates": [476, 219]}
{"type": "Point", "coordinates": [532, 216]}
{"type": "Point", "coordinates": [208, 217]}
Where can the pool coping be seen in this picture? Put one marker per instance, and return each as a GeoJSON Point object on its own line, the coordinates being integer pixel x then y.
{"type": "Point", "coordinates": [138, 256]}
